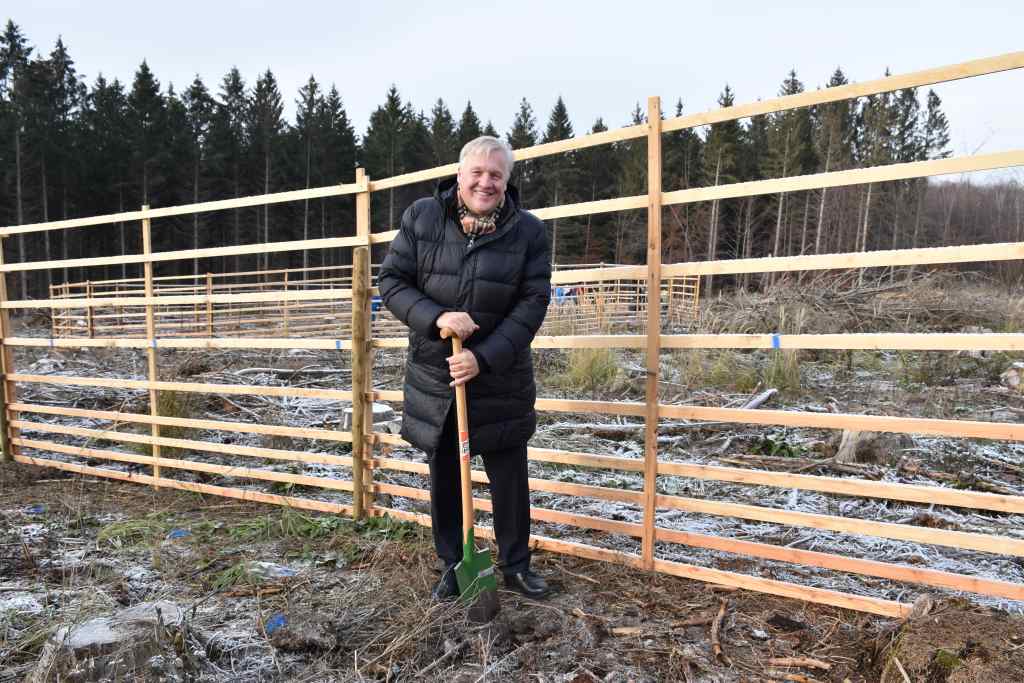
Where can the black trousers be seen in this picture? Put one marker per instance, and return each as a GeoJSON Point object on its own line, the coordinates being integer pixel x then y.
{"type": "Point", "coordinates": [510, 498]}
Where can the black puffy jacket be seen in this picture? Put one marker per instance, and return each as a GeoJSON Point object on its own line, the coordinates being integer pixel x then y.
{"type": "Point", "coordinates": [503, 281]}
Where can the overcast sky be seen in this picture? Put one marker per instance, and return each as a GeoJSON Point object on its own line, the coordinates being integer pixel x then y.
{"type": "Point", "coordinates": [602, 57]}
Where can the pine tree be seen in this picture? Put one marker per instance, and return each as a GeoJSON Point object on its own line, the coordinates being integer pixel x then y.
{"type": "Point", "coordinates": [177, 166]}
{"type": "Point", "coordinates": [631, 163]}
{"type": "Point", "coordinates": [199, 111]}
{"type": "Point", "coordinates": [265, 131]}
{"type": "Point", "coordinates": [835, 132]}
{"type": "Point", "coordinates": [382, 146]}
{"type": "Point", "coordinates": [68, 93]}
{"type": "Point", "coordinates": [523, 134]}
{"type": "Point", "coordinates": [108, 151]}
{"type": "Point", "coordinates": [791, 152]}
{"type": "Point", "coordinates": [751, 164]}
{"type": "Point", "coordinates": [933, 143]}
{"type": "Point", "coordinates": [558, 172]}
{"type": "Point", "coordinates": [683, 169]}
{"type": "Point", "coordinates": [14, 59]}
{"type": "Point", "coordinates": [720, 158]}
{"type": "Point", "coordinates": [490, 130]}
{"type": "Point", "coordinates": [309, 133]}
{"type": "Point", "coordinates": [934, 135]}
{"type": "Point", "coordinates": [337, 163]}
{"type": "Point", "coordinates": [443, 141]}
{"type": "Point", "coordinates": [469, 126]}
{"type": "Point", "coordinates": [598, 170]}
{"type": "Point", "coordinates": [228, 147]}
{"type": "Point", "coordinates": [48, 104]}
{"type": "Point", "coordinates": [906, 147]}
{"type": "Point", "coordinates": [873, 148]}
{"type": "Point", "coordinates": [147, 112]}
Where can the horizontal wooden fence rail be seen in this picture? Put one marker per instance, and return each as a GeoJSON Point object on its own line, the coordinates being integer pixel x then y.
{"type": "Point", "coordinates": [889, 341]}
{"type": "Point", "coordinates": [185, 444]}
{"type": "Point", "coordinates": [200, 278]}
{"type": "Point", "coordinates": [969, 429]}
{"type": "Point", "coordinates": [193, 387]}
{"type": "Point", "coordinates": [189, 465]}
{"type": "Point", "coordinates": [319, 294]}
{"type": "Point", "coordinates": [195, 487]}
{"type": "Point", "coordinates": [191, 423]}
{"type": "Point", "coordinates": [860, 488]}
{"type": "Point", "coordinates": [190, 254]}
{"type": "Point", "coordinates": [816, 181]}
{"type": "Point", "coordinates": [182, 343]}
{"type": "Point", "coordinates": [187, 209]}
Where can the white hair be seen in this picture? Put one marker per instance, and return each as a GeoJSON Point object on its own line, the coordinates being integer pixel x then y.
{"type": "Point", "coordinates": [485, 145]}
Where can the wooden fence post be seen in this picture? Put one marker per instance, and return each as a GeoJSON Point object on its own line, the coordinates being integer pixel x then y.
{"type": "Point", "coordinates": [89, 313]}
{"type": "Point", "coordinates": [154, 396]}
{"type": "Point", "coordinates": [284, 304]}
{"type": "Point", "coordinates": [53, 313]}
{"type": "Point", "coordinates": [653, 326]}
{"type": "Point", "coordinates": [362, 354]}
{"type": "Point", "coordinates": [209, 305]}
{"type": "Point", "coordinates": [7, 390]}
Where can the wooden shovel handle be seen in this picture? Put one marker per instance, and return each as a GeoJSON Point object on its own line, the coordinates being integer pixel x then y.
{"type": "Point", "coordinates": [464, 455]}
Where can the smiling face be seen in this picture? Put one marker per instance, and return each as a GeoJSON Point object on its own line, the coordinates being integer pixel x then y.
{"type": "Point", "coordinates": [482, 180]}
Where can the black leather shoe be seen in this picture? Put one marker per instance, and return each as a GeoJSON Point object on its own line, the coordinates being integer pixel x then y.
{"type": "Point", "coordinates": [448, 587]}
{"type": "Point", "coordinates": [528, 583]}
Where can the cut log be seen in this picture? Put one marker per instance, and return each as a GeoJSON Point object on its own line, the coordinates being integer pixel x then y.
{"type": "Point", "coordinates": [856, 446]}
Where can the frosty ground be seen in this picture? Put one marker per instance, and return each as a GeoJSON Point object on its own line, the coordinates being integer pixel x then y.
{"type": "Point", "coordinates": [268, 594]}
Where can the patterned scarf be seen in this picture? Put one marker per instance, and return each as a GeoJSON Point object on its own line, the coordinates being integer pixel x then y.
{"type": "Point", "coordinates": [474, 226]}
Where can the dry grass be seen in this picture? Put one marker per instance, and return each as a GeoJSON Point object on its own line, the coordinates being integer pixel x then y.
{"type": "Point", "coordinates": [592, 371]}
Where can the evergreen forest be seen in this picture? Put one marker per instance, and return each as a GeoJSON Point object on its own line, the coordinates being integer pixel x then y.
{"type": "Point", "coordinates": [71, 148]}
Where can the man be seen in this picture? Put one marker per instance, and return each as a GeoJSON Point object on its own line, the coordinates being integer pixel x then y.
{"type": "Point", "coordinates": [470, 259]}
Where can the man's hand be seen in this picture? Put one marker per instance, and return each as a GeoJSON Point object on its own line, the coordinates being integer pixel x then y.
{"type": "Point", "coordinates": [459, 323]}
{"type": "Point", "coordinates": [462, 367]}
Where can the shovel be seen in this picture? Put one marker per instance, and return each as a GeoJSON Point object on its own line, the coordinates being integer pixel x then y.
{"type": "Point", "coordinates": [478, 586]}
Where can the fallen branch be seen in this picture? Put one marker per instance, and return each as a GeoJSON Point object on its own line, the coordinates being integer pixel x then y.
{"type": "Point", "coordinates": [716, 641]}
{"type": "Point", "coordinates": [786, 464]}
{"type": "Point", "coordinates": [759, 400]}
{"type": "Point", "coordinates": [703, 620]}
{"type": "Point", "coordinates": [457, 648]}
{"type": "Point", "coordinates": [801, 662]}
{"type": "Point", "coordinates": [959, 480]}
{"type": "Point", "coordinates": [903, 672]}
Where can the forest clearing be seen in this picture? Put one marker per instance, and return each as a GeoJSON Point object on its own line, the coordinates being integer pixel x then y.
{"type": "Point", "coordinates": [355, 595]}
{"type": "Point", "coordinates": [778, 389]}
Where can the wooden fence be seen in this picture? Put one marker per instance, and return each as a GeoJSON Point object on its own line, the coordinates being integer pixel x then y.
{"type": "Point", "coordinates": [368, 460]}
{"type": "Point", "coordinates": [576, 308]}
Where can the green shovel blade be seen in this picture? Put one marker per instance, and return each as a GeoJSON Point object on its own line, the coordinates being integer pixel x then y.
{"type": "Point", "coordinates": [475, 573]}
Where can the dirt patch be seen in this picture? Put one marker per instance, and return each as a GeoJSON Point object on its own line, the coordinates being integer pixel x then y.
{"type": "Point", "coordinates": [358, 605]}
{"type": "Point", "coordinates": [955, 644]}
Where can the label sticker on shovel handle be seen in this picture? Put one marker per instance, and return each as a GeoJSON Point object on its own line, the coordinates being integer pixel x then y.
{"type": "Point", "coordinates": [464, 445]}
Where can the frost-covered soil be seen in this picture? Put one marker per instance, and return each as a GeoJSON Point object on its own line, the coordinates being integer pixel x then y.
{"type": "Point", "coordinates": [882, 383]}
{"type": "Point", "coordinates": [272, 595]}
{"type": "Point", "coordinates": [879, 383]}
